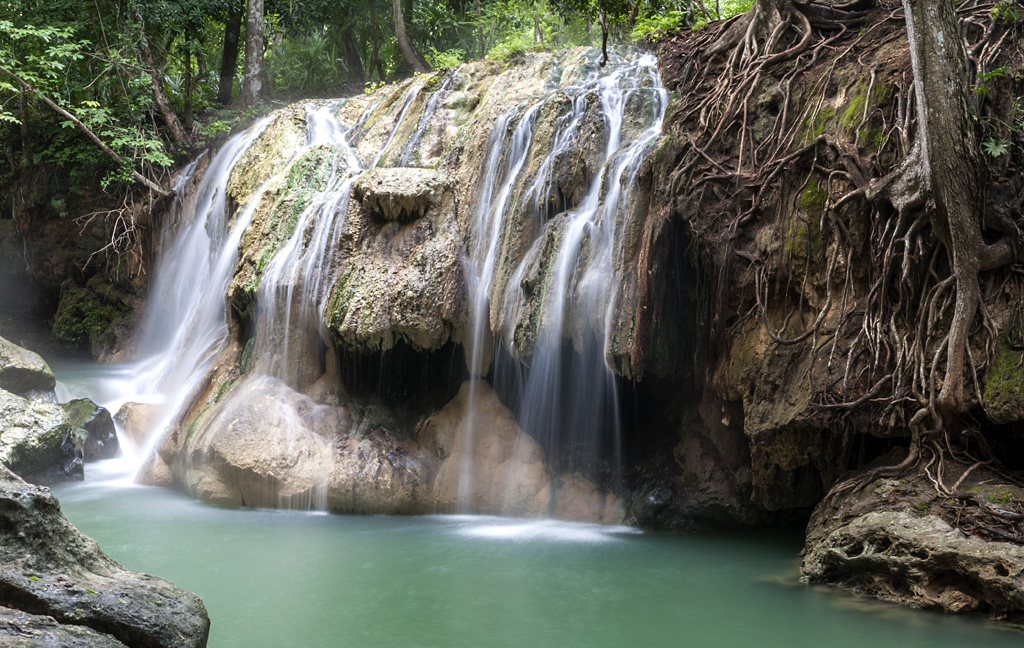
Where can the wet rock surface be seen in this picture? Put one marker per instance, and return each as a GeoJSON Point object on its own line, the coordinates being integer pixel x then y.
{"type": "Point", "coordinates": [92, 428]}
{"type": "Point", "coordinates": [32, 439]}
{"type": "Point", "coordinates": [50, 569]}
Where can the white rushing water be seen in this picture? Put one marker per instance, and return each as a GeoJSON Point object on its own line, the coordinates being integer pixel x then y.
{"type": "Point", "coordinates": [564, 393]}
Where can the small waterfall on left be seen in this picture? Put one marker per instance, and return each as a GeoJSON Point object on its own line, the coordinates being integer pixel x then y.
{"type": "Point", "coordinates": [184, 325]}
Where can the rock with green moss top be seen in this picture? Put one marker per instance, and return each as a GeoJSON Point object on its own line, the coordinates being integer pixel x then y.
{"type": "Point", "coordinates": [23, 372]}
{"type": "Point", "coordinates": [401, 194]}
{"type": "Point", "coordinates": [269, 154]}
{"type": "Point", "coordinates": [32, 440]}
{"type": "Point", "coordinates": [275, 219]}
{"type": "Point", "coordinates": [92, 429]}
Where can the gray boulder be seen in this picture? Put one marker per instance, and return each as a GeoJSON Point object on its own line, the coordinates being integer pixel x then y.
{"type": "Point", "coordinates": [32, 439]}
{"type": "Point", "coordinates": [23, 630]}
{"type": "Point", "coordinates": [50, 568]}
{"type": "Point", "coordinates": [92, 429]}
{"type": "Point", "coordinates": [23, 372]}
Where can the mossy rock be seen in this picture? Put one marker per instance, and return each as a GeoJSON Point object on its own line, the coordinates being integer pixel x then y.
{"type": "Point", "coordinates": [91, 314]}
{"type": "Point", "coordinates": [1004, 386]}
{"type": "Point", "coordinates": [32, 437]}
{"type": "Point", "coordinates": [92, 429]}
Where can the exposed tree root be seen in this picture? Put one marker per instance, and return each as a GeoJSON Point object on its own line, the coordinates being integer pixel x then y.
{"type": "Point", "coordinates": [911, 338]}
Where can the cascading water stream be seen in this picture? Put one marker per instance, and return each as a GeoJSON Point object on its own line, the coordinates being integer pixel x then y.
{"type": "Point", "coordinates": [566, 397]}
{"type": "Point", "coordinates": [184, 325]}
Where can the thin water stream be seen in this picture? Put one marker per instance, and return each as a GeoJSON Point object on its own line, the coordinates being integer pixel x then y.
{"type": "Point", "coordinates": [288, 578]}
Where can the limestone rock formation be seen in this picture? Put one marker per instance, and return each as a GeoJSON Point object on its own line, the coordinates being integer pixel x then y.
{"type": "Point", "coordinates": [894, 538]}
{"type": "Point", "coordinates": [50, 569]}
{"type": "Point", "coordinates": [400, 194]}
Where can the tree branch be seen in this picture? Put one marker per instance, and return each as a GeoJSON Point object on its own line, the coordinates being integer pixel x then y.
{"type": "Point", "coordinates": [85, 129]}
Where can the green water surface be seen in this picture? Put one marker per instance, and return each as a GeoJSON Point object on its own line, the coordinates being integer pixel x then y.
{"type": "Point", "coordinates": [280, 578]}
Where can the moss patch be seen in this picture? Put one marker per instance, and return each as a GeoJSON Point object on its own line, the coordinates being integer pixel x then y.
{"type": "Point", "coordinates": [1004, 387]}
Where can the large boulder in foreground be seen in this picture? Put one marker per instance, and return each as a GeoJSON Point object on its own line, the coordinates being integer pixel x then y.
{"type": "Point", "coordinates": [897, 540]}
{"type": "Point", "coordinates": [32, 439]}
{"type": "Point", "coordinates": [48, 568]}
{"type": "Point", "coordinates": [24, 373]}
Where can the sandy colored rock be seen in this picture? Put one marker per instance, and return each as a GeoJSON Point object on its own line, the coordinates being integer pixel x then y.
{"type": "Point", "coordinates": [488, 464]}
{"type": "Point", "coordinates": [139, 422]}
{"type": "Point", "coordinates": [400, 194]}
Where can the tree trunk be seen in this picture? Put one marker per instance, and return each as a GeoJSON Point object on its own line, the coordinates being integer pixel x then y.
{"type": "Point", "coordinates": [352, 59]}
{"type": "Point", "coordinates": [254, 74]}
{"type": "Point", "coordinates": [188, 89]}
{"type": "Point", "coordinates": [480, 30]}
{"type": "Point", "coordinates": [229, 58]}
{"type": "Point", "coordinates": [949, 168]}
{"type": "Point", "coordinates": [408, 52]}
{"type": "Point", "coordinates": [374, 39]}
{"type": "Point", "coordinates": [178, 133]}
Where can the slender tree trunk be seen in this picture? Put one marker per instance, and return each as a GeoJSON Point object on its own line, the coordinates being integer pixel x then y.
{"type": "Point", "coordinates": [352, 59]}
{"type": "Point", "coordinates": [408, 52]}
{"type": "Point", "coordinates": [178, 133]}
{"type": "Point", "coordinates": [374, 39]}
{"type": "Point", "coordinates": [480, 30]}
{"type": "Point", "coordinates": [229, 58]}
{"type": "Point", "coordinates": [188, 89]}
{"type": "Point", "coordinates": [254, 74]}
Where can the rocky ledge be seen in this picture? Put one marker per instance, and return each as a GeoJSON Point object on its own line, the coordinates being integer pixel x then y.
{"type": "Point", "coordinates": [57, 588]}
{"type": "Point", "coordinates": [897, 539]}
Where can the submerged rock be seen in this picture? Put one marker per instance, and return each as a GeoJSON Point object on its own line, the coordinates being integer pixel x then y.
{"type": "Point", "coordinates": [138, 422]}
{"type": "Point", "coordinates": [24, 373]}
{"type": "Point", "coordinates": [92, 429]}
{"type": "Point", "coordinates": [48, 568]}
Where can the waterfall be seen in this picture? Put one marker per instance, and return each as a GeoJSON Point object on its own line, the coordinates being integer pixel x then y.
{"type": "Point", "coordinates": [184, 325]}
{"type": "Point", "coordinates": [548, 161]}
{"type": "Point", "coordinates": [562, 390]}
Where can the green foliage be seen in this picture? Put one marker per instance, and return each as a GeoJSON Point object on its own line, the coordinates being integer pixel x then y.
{"type": "Point", "coordinates": [994, 147]}
{"type": "Point", "coordinates": [446, 59]}
{"type": "Point", "coordinates": [658, 26]}
{"type": "Point", "coordinates": [86, 314]}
